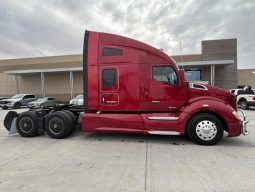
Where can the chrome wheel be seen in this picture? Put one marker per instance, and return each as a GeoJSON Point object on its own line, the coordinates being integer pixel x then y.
{"type": "Point", "coordinates": [244, 105]}
{"type": "Point", "coordinates": [206, 130]}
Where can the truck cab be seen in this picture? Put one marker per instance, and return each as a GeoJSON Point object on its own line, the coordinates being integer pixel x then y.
{"type": "Point", "coordinates": [132, 87]}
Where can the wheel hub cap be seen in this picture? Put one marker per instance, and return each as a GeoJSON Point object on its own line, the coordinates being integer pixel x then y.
{"type": "Point", "coordinates": [206, 130]}
{"type": "Point", "coordinates": [26, 124]}
{"type": "Point", "coordinates": [56, 125]}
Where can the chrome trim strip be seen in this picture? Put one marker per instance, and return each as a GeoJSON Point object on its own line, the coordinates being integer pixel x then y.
{"type": "Point", "coordinates": [163, 118]}
{"type": "Point", "coordinates": [164, 133]}
{"type": "Point", "coordinates": [155, 101]}
{"type": "Point", "coordinates": [204, 87]}
{"type": "Point", "coordinates": [244, 123]}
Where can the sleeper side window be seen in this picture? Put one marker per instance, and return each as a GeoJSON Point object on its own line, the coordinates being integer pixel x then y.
{"type": "Point", "coordinates": [165, 74]}
{"type": "Point", "coordinates": [106, 51]}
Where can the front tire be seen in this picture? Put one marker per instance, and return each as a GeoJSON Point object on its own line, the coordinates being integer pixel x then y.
{"type": "Point", "coordinates": [205, 129]}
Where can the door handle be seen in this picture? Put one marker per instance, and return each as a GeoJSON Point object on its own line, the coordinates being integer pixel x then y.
{"type": "Point", "coordinates": [155, 101]}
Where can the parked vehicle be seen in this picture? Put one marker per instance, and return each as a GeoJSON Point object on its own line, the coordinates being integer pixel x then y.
{"type": "Point", "coordinates": [17, 101]}
{"type": "Point", "coordinates": [43, 102]}
{"type": "Point", "coordinates": [236, 91]}
{"type": "Point", "coordinates": [1, 98]}
{"type": "Point", "coordinates": [131, 87]}
{"type": "Point", "coordinates": [245, 101]}
{"type": "Point", "coordinates": [78, 100]}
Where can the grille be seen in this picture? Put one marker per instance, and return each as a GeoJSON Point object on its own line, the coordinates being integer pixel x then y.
{"type": "Point", "coordinates": [4, 102]}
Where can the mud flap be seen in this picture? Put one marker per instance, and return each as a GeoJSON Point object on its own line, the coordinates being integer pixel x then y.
{"type": "Point", "coordinates": [13, 130]}
{"type": "Point", "coordinates": [9, 118]}
{"type": "Point", "coordinates": [10, 122]}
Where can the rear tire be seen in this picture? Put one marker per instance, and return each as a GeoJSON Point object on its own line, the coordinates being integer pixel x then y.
{"type": "Point", "coordinates": [244, 105]}
{"type": "Point", "coordinates": [27, 124]}
{"type": "Point", "coordinates": [58, 125]}
{"type": "Point", "coordinates": [73, 118]}
{"type": "Point", "coordinates": [205, 129]}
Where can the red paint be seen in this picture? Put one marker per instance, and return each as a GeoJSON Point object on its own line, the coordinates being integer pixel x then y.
{"type": "Point", "coordinates": [127, 105]}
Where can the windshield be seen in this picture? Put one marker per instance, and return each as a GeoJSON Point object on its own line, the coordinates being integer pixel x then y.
{"type": "Point", "coordinates": [79, 97]}
{"type": "Point", "coordinates": [41, 100]}
{"type": "Point", "coordinates": [17, 96]}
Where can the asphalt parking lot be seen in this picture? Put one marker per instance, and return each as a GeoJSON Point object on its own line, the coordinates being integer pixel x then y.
{"type": "Point", "coordinates": [124, 162]}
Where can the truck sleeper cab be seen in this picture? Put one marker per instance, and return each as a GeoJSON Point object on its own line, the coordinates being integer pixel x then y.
{"type": "Point", "coordinates": [131, 87]}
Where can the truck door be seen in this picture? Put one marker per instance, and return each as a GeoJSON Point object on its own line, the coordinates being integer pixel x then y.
{"type": "Point", "coordinates": [166, 94]}
{"type": "Point", "coordinates": [109, 86]}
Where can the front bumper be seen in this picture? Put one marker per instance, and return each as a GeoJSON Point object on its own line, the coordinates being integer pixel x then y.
{"type": "Point", "coordinates": [33, 106]}
{"type": "Point", "coordinates": [7, 105]}
{"type": "Point", "coordinates": [3, 105]}
{"type": "Point", "coordinates": [244, 122]}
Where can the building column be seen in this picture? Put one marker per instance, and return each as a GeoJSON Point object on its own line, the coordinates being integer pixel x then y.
{"type": "Point", "coordinates": [17, 84]}
{"type": "Point", "coordinates": [42, 84]}
{"type": "Point", "coordinates": [71, 85]}
{"type": "Point", "coordinates": [212, 75]}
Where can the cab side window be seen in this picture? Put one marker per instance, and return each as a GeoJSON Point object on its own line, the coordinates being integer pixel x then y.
{"type": "Point", "coordinates": [109, 77]}
{"type": "Point", "coordinates": [165, 74]}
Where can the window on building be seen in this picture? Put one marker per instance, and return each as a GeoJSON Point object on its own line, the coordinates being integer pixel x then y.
{"type": "Point", "coordinates": [106, 51]}
{"type": "Point", "coordinates": [109, 77]}
{"type": "Point", "coordinates": [165, 74]}
{"type": "Point", "coordinates": [193, 74]}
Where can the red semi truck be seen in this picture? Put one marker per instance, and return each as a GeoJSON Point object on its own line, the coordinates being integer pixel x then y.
{"type": "Point", "coordinates": [131, 87]}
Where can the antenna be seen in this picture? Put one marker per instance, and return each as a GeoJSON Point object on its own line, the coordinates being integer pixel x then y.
{"type": "Point", "coordinates": [181, 53]}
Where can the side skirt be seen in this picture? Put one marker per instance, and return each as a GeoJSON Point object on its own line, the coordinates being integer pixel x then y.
{"type": "Point", "coordinates": [164, 133]}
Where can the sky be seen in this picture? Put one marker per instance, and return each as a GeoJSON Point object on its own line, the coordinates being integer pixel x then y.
{"type": "Point", "coordinates": [34, 28]}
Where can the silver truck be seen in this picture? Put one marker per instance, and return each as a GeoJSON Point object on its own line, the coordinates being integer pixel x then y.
{"type": "Point", "coordinates": [17, 101]}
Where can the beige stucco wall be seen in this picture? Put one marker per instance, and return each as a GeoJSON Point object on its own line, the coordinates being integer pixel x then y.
{"type": "Point", "coordinates": [78, 83]}
{"type": "Point", "coordinates": [56, 84]}
{"type": "Point", "coordinates": [63, 61]}
{"type": "Point", "coordinates": [7, 85]}
{"type": "Point", "coordinates": [246, 77]}
{"type": "Point", "coordinates": [187, 58]}
{"type": "Point", "coordinates": [30, 84]}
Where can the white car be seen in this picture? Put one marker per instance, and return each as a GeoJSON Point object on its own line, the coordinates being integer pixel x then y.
{"type": "Point", "coordinates": [78, 100]}
{"type": "Point", "coordinates": [236, 91]}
